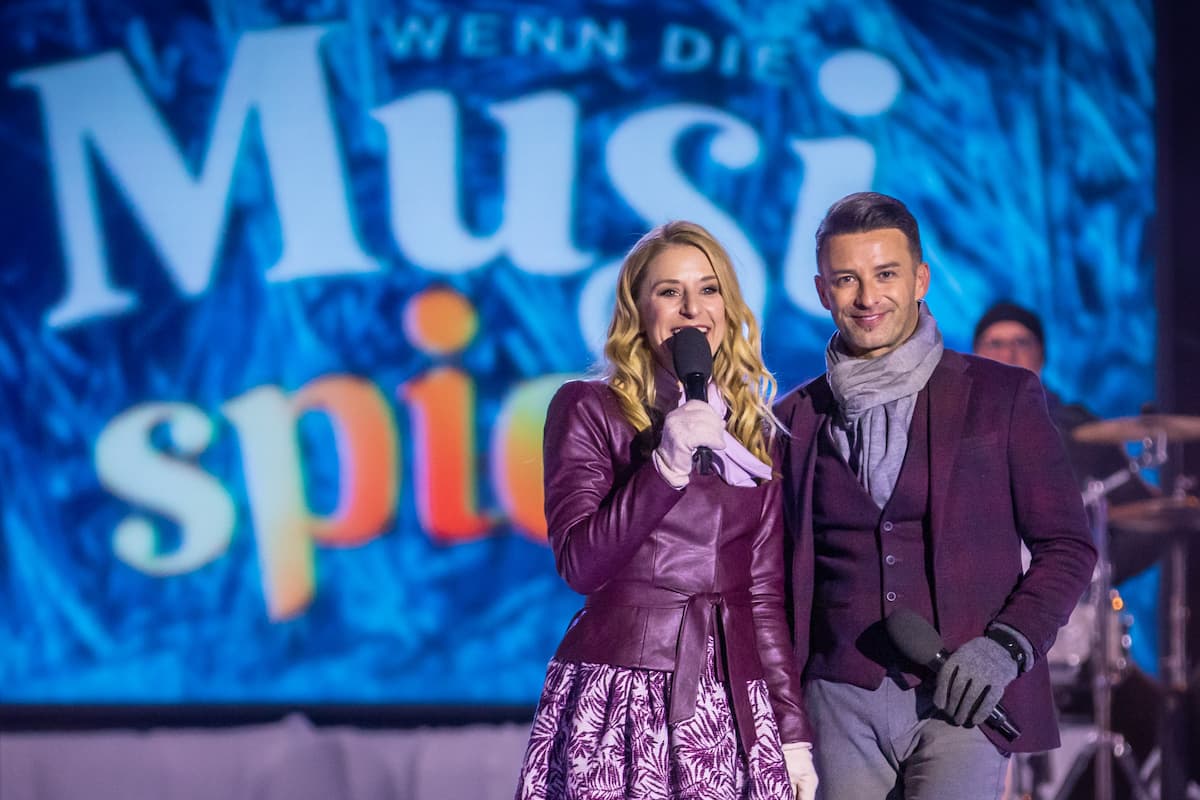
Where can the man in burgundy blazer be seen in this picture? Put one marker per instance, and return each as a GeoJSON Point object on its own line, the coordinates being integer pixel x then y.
{"type": "Point", "coordinates": [980, 469]}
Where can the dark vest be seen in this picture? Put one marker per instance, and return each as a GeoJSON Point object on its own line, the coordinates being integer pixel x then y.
{"type": "Point", "coordinates": [881, 555]}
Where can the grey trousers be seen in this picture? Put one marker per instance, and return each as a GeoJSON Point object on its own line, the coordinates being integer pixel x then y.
{"type": "Point", "coordinates": [887, 744]}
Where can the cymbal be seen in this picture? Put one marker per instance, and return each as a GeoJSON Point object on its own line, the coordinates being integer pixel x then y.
{"type": "Point", "coordinates": [1157, 515]}
{"type": "Point", "coordinates": [1176, 427]}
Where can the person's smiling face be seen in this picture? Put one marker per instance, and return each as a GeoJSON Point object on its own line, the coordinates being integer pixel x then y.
{"type": "Point", "coordinates": [871, 283]}
{"type": "Point", "coordinates": [680, 290]}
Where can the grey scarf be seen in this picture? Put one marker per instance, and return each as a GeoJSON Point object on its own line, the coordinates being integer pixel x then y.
{"type": "Point", "coordinates": [875, 400]}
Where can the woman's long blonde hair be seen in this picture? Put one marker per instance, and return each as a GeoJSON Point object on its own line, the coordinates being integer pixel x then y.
{"type": "Point", "coordinates": [738, 368]}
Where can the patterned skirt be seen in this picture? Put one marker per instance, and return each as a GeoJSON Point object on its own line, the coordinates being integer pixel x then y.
{"type": "Point", "coordinates": [601, 733]}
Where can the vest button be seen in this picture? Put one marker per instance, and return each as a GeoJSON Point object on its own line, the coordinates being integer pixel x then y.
{"type": "Point", "coordinates": [887, 526]}
{"type": "Point", "coordinates": [891, 597]}
{"type": "Point", "coordinates": [890, 559]}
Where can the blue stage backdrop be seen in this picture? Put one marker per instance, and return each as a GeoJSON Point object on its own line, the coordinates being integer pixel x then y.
{"type": "Point", "coordinates": [287, 287]}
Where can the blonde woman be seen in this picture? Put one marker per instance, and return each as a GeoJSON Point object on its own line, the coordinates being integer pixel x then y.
{"type": "Point", "coordinates": [676, 679]}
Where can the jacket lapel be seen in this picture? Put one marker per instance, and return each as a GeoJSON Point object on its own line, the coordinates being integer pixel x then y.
{"type": "Point", "coordinates": [949, 387]}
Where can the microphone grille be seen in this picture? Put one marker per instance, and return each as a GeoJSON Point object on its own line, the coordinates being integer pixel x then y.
{"type": "Point", "coordinates": [691, 354]}
{"type": "Point", "coordinates": [913, 636]}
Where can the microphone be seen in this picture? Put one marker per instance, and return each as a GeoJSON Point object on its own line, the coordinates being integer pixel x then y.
{"type": "Point", "coordinates": [693, 365]}
{"type": "Point", "coordinates": [919, 642]}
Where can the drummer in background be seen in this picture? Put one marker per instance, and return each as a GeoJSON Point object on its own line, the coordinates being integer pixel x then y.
{"type": "Point", "coordinates": [1013, 335]}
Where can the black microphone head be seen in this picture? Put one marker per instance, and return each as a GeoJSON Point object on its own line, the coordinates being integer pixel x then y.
{"type": "Point", "coordinates": [913, 636]}
{"type": "Point", "coordinates": [691, 354]}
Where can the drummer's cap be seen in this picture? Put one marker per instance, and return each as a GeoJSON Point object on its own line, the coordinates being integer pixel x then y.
{"type": "Point", "coordinates": [1006, 311]}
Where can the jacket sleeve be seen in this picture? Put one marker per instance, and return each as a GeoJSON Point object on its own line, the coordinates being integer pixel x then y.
{"type": "Point", "coordinates": [768, 595]}
{"type": "Point", "coordinates": [800, 559]}
{"type": "Point", "coordinates": [595, 521]}
{"type": "Point", "coordinates": [1049, 515]}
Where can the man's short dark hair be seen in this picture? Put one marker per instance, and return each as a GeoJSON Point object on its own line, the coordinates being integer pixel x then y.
{"type": "Point", "coordinates": [868, 211]}
{"type": "Point", "coordinates": [1008, 311]}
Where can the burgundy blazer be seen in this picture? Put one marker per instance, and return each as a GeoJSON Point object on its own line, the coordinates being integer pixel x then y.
{"type": "Point", "coordinates": [998, 476]}
{"type": "Point", "coordinates": [661, 567]}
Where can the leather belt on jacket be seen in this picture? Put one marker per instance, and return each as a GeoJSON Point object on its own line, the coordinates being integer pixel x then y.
{"type": "Point", "coordinates": [690, 647]}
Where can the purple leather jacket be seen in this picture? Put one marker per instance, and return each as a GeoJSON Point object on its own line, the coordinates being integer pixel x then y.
{"type": "Point", "coordinates": [662, 567]}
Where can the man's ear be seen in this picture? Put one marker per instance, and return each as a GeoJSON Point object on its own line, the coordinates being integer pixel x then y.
{"type": "Point", "coordinates": [819, 283]}
{"type": "Point", "coordinates": [922, 280]}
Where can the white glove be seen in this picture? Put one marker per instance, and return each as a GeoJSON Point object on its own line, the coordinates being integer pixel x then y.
{"type": "Point", "coordinates": [694, 424]}
{"type": "Point", "coordinates": [801, 772]}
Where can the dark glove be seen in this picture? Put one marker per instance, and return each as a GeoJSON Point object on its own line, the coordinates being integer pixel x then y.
{"type": "Point", "coordinates": [973, 679]}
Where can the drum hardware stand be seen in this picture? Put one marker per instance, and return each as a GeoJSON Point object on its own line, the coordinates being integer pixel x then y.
{"type": "Point", "coordinates": [1174, 516]}
{"type": "Point", "coordinates": [1173, 778]}
{"type": "Point", "coordinates": [1176, 661]}
{"type": "Point", "coordinates": [1106, 746]}
{"type": "Point", "coordinates": [1153, 454]}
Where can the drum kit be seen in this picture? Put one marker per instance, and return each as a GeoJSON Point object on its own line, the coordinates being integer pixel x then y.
{"type": "Point", "coordinates": [1093, 647]}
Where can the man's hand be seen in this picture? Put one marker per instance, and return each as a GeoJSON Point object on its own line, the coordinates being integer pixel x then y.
{"type": "Point", "coordinates": [973, 679]}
